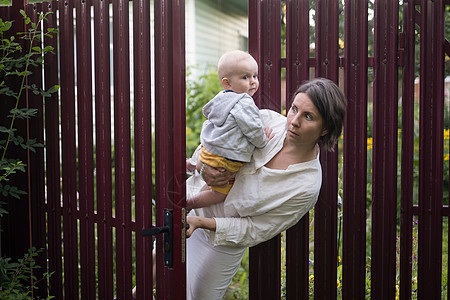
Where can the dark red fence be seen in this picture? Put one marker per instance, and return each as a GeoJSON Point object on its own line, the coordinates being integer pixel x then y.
{"type": "Point", "coordinates": [90, 193]}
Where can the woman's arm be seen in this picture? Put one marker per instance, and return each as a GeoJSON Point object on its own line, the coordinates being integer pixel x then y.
{"type": "Point", "coordinates": [243, 232]}
{"type": "Point", "coordinates": [199, 222]}
{"type": "Point", "coordinates": [250, 231]}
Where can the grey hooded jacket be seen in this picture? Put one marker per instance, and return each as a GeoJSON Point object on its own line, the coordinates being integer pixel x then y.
{"type": "Point", "coordinates": [234, 127]}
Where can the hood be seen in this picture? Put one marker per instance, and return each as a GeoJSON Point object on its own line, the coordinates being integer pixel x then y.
{"type": "Point", "coordinates": [218, 109]}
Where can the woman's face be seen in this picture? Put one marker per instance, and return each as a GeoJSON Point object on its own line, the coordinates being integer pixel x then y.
{"type": "Point", "coordinates": [305, 125]}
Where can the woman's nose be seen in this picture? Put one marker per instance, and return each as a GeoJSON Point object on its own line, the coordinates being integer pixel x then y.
{"type": "Point", "coordinates": [295, 121]}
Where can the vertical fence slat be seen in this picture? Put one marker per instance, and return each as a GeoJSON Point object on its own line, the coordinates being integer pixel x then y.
{"type": "Point", "coordinates": [327, 36]}
{"type": "Point", "coordinates": [355, 145]}
{"type": "Point", "coordinates": [179, 139]}
{"type": "Point", "coordinates": [297, 70]}
{"type": "Point", "coordinates": [297, 260]}
{"type": "Point", "coordinates": [384, 178]}
{"type": "Point", "coordinates": [170, 134]}
{"type": "Point", "coordinates": [407, 163]}
{"type": "Point", "coordinates": [270, 55]}
{"type": "Point", "coordinates": [122, 147]}
{"type": "Point", "coordinates": [53, 173]}
{"type": "Point", "coordinates": [297, 45]}
{"type": "Point", "coordinates": [163, 123]}
{"type": "Point", "coordinates": [431, 149]}
{"type": "Point", "coordinates": [325, 214]}
{"type": "Point", "coordinates": [142, 146]}
{"type": "Point", "coordinates": [36, 164]}
{"type": "Point", "coordinates": [254, 33]}
{"type": "Point", "coordinates": [69, 184]}
{"type": "Point", "coordinates": [85, 149]}
{"type": "Point", "coordinates": [265, 259]}
{"type": "Point", "coordinates": [103, 148]}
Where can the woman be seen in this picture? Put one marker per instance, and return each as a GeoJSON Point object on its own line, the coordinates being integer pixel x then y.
{"type": "Point", "coordinates": [270, 194]}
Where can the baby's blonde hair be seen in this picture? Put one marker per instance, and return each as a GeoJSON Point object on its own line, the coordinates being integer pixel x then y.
{"type": "Point", "coordinates": [227, 61]}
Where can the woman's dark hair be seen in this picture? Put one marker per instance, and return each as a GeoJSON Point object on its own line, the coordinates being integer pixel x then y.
{"type": "Point", "coordinates": [331, 104]}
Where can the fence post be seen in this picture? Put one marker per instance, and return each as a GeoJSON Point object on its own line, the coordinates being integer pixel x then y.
{"type": "Point", "coordinates": [69, 183]}
{"type": "Point", "coordinates": [103, 148]}
{"type": "Point", "coordinates": [53, 166]}
{"type": "Point", "coordinates": [325, 220]}
{"type": "Point", "coordinates": [407, 59]}
{"type": "Point", "coordinates": [143, 146]}
{"type": "Point", "coordinates": [170, 133]}
{"type": "Point", "coordinates": [265, 46]}
{"type": "Point", "coordinates": [297, 70]}
{"type": "Point", "coordinates": [85, 149]}
{"type": "Point", "coordinates": [355, 150]}
{"type": "Point", "coordinates": [385, 128]}
{"type": "Point", "coordinates": [431, 148]}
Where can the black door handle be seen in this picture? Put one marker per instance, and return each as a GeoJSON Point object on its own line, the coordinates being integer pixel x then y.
{"type": "Point", "coordinates": [167, 230]}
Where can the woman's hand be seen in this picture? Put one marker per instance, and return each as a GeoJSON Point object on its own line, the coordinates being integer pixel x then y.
{"type": "Point", "coordinates": [192, 222]}
{"type": "Point", "coordinates": [214, 176]}
{"type": "Point", "coordinates": [199, 222]}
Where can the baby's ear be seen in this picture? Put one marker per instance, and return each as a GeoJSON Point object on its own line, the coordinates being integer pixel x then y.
{"type": "Point", "coordinates": [226, 83]}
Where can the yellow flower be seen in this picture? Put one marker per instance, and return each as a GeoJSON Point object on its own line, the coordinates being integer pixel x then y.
{"type": "Point", "coordinates": [369, 143]}
{"type": "Point", "coordinates": [446, 134]}
{"type": "Point", "coordinates": [311, 277]}
{"type": "Point", "coordinates": [446, 157]}
{"type": "Point", "coordinates": [338, 283]}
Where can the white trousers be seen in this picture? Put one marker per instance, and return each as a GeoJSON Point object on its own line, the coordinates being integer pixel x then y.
{"type": "Point", "coordinates": [209, 269]}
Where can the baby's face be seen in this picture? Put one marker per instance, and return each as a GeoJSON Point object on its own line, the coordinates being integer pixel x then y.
{"type": "Point", "coordinates": [244, 78]}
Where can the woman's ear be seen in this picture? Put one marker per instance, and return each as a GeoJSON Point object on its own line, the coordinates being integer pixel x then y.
{"type": "Point", "coordinates": [226, 83]}
{"type": "Point", "coordinates": [324, 132]}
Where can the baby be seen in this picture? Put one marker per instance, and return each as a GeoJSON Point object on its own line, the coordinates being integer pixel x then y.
{"type": "Point", "coordinates": [234, 126]}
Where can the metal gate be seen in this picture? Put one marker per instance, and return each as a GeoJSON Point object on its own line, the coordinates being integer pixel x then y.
{"type": "Point", "coordinates": [89, 206]}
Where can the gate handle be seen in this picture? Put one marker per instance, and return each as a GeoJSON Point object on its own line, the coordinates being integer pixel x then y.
{"type": "Point", "coordinates": [167, 230]}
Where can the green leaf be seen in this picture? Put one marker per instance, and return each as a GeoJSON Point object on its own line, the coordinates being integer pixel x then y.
{"type": "Point", "coordinates": [7, 130]}
{"type": "Point", "coordinates": [53, 89]}
{"type": "Point", "coordinates": [3, 212]}
{"type": "Point", "coordinates": [48, 49]}
{"type": "Point", "coordinates": [23, 113]}
{"type": "Point", "coordinates": [15, 192]}
{"type": "Point", "coordinates": [6, 26]}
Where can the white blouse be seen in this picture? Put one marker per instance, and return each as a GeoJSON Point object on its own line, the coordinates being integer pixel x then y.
{"type": "Point", "coordinates": [263, 202]}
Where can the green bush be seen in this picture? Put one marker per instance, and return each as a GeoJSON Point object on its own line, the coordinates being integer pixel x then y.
{"type": "Point", "coordinates": [15, 66]}
{"type": "Point", "coordinates": [198, 93]}
{"type": "Point", "coordinates": [16, 277]}
{"type": "Point", "coordinates": [18, 54]}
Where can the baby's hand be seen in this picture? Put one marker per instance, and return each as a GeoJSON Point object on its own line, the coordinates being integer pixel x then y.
{"type": "Point", "coordinates": [190, 168]}
{"type": "Point", "coordinates": [268, 132]}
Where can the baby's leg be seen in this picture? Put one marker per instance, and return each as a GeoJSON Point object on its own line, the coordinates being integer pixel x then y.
{"type": "Point", "coordinates": [205, 198]}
